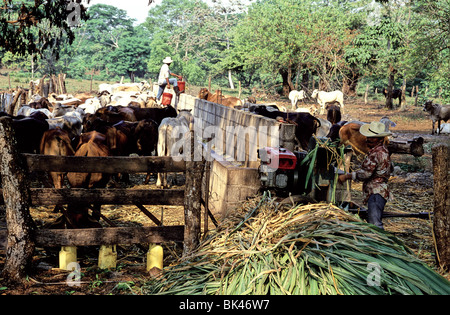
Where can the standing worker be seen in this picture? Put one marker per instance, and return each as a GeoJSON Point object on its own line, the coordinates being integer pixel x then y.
{"type": "Point", "coordinates": [375, 172]}
{"type": "Point", "coordinates": [163, 79]}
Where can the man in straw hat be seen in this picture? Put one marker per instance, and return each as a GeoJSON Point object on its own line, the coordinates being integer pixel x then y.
{"type": "Point", "coordinates": [375, 172]}
{"type": "Point", "coordinates": [163, 79]}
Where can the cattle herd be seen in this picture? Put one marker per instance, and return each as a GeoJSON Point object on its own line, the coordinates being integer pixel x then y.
{"type": "Point", "coordinates": [125, 119]}
{"type": "Point", "coordinates": [116, 122]}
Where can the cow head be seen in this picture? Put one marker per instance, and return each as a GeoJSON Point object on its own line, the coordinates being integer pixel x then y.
{"type": "Point", "coordinates": [428, 106]}
{"type": "Point", "coordinates": [203, 94]}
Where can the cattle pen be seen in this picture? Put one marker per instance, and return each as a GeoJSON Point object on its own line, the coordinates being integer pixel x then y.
{"type": "Point", "coordinates": [229, 181]}
{"type": "Point", "coordinates": [22, 235]}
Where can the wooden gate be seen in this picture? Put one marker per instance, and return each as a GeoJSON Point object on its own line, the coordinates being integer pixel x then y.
{"type": "Point", "coordinates": [18, 197]}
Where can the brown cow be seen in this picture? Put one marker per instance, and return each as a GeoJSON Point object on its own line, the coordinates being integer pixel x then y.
{"type": "Point", "coordinates": [219, 98]}
{"type": "Point", "coordinates": [333, 114]}
{"type": "Point", "coordinates": [205, 94]}
{"type": "Point", "coordinates": [56, 142]}
{"type": "Point", "coordinates": [350, 135]}
{"type": "Point", "coordinates": [91, 143]}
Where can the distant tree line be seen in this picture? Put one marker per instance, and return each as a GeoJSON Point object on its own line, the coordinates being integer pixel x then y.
{"type": "Point", "coordinates": [277, 45]}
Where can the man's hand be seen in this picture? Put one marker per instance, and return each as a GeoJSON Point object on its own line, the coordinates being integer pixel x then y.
{"type": "Point", "coordinates": [342, 178]}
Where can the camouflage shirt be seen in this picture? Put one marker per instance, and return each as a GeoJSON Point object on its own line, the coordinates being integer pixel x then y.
{"type": "Point", "coordinates": [375, 172]}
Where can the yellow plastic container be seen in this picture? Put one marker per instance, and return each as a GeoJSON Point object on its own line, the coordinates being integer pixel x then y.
{"type": "Point", "coordinates": [107, 257]}
{"type": "Point", "coordinates": [155, 257]}
{"type": "Point", "coordinates": [67, 255]}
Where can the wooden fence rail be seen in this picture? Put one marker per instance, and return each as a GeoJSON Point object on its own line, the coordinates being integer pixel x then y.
{"type": "Point", "coordinates": [118, 196]}
{"type": "Point", "coordinates": [110, 164]}
{"type": "Point", "coordinates": [22, 235]}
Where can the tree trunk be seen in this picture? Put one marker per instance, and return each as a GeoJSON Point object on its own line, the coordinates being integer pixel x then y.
{"type": "Point", "coordinates": [390, 88]}
{"type": "Point", "coordinates": [230, 80]}
{"type": "Point", "coordinates": [413, 147]}
{"type": "Point", "coordinates": [366, 94]}
{"type": "Point", "coordinates": [12, 107]}
{"type": "Point", "coordinates": [417, 95]}
{"type": "Point", "coordinates": [403, 97]}
{"type": "Point", "coordinates": [16, 196]}
{"type": "Point", "coordinates": [286, 85]}
{"type": "Point", "coordinates": [441, 220]}
{"type": "Point", "coordinates": [305, 81]}
{"type": "Point", "coordinates": [192, 197]}
{"type": "Point", "coordinates": [350, 83]}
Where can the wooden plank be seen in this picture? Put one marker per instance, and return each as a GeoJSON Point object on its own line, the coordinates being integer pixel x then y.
{"type": "Point", "coordinates": [413, 147]}
{"type": "Point", "coordinates": [119, 196]}
{"type": "Point", "coordinates": [109, 164]}
{"type": "Point", "coordinates": [52, 196]}
{"type": "Point", "coordinates": [122, 196]}
{"type": "Point", "coordinates": [149, 214]}
{"type": "Point", "coordinates": [105, 236]}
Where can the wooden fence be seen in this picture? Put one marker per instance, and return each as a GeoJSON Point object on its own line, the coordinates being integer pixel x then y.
{"type": "Point", "coordinates": [16, 194]}
{"type": "Point", "coordinates": [5, 101]}
{"type": "Point", "coordinates": [441, 218]}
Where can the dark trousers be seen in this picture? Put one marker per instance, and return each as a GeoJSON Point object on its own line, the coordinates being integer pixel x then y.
{"type": "Point", "coordinates": [375, 208]}
{"type": "Point", "coordinates": [172, 81]}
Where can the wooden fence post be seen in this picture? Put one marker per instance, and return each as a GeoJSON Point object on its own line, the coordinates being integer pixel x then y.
{"type": "Point", "coordinates": [13, 105]}
{"type": "Point", "coordinates": [16, 195]}
{"type": "Point", "coordinates": [441, 221]}
{"type": "Point", "coordinates": [192, 198]}
{"type": "Point", "coordinates": [366, 94]}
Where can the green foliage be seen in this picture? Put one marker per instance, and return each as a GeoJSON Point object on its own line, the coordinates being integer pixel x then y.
{"type": "Point", "coordinates": [284, 249]}
{"type": "Point", "coordinates": [273, 42]}
{"type": "Point", "coordinates": [30, 27]}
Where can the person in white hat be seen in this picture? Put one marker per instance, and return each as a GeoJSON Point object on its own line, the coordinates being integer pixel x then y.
{"type": "Point", "coordinates": [164, 80]}
{"type": "Point", "coordinates": [375, 172]}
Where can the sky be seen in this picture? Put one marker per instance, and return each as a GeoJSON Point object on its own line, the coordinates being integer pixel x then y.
{"type": "Point", "coordinates": [137, 9]}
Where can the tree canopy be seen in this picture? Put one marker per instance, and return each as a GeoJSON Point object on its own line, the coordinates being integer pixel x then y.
{"type": "Point", "coordinates": [30, 27]}
{"type": "Point", "coordinates": [282, 44]}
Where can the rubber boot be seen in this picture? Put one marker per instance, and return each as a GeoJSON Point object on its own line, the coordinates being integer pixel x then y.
{"type": "Point", "coordinates": [177, 90]}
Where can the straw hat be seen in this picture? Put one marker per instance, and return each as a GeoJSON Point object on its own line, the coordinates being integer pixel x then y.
{"type": "Point", "coordinates": [375, 129]}
{"type": "Point", "coordinates": [167, 60]}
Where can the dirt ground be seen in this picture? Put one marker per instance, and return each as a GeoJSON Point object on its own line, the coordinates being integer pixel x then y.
{"type": "Point", "coordinates": [412, 187]}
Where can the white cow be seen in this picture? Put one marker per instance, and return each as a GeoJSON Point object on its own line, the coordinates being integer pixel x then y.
{"type": "Point", "coordinates": [445, 128]}
{"type": "Point", "coordinates": [91, 105]}
{"type": "Point", "coordinates": [296, 96]}
{"type": "Point", "coordinates": [311, 110]}
{"type": "Point", "coordinates": [170, 133]}
{"type": "Point", "coordinates": [72, 122]}
{"type": "Point", "coordinates": [387, 122]}
{"type": "Point", "coordinates": [328, 97]}
{"type": "Point", "coordinates": [142, 86]}
{"type": "Point", "coordinates": [324, 128]}
{"type": "Point", "coordinates": [27, 111]}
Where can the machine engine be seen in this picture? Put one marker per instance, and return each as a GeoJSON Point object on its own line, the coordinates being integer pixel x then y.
{"type": "Point", "coordinates": [281, 170]}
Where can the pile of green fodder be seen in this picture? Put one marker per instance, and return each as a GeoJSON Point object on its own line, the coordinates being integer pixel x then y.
{"type": "Point", "coordinates": [269, 248]}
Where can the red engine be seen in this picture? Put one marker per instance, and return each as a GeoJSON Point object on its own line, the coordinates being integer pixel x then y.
{"type": "Point", "coordinates": [280, 169]}
{"type": "Point", "coordinates": [277, 158]}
